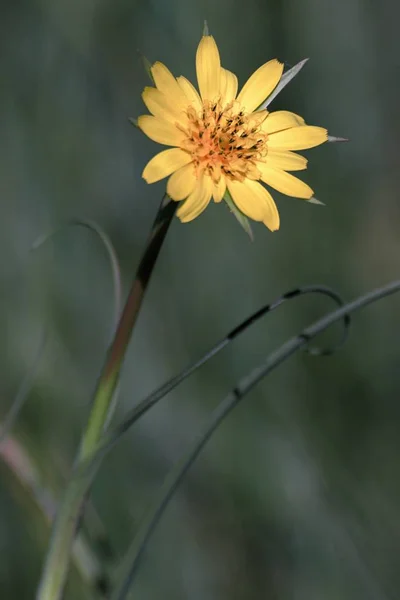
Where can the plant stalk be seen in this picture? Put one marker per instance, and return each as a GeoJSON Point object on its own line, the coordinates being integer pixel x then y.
{"type": "Point", "coordinates": [67, 519]}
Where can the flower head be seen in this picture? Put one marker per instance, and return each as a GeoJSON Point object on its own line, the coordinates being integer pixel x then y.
{"type": "Point", "coordinates": [225, 142]}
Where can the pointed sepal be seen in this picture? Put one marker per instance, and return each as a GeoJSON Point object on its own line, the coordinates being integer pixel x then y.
{"type": "Point", "coordinates": [240, 217]}
{"type": "Point", "coordinates": [285, 79]}
{"type": "Point", "coordinates": [334, 139]}
{"type": "Point", "coordinates": [147, 66]}
{"type": "Point", "coordinates": [314, 200]}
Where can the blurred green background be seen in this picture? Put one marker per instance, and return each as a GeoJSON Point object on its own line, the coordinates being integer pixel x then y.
{"type": "Point", "coordinates": [297, 495]}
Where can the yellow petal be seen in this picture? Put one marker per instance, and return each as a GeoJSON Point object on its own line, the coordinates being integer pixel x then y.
{"type": "Point", "coordinates": [286, 160]}
{"type": "Point", "coordinates": [208, 68]}
{"type": "Point", "coordinates": [219, 188]}
{"type": "Point", "coordinates": [259, 86]}
{"type": "Point", "coordinates": [164, 163]}
{"type": "Point", "coordinates": [257, 118]}
{"type": "Point", "coordinates": [190, 92]}
{"type": "Point", "coordinates": [255, 202]}
{"type": "Point", "coordinates": [160, 131]}
{"type": "Point", "coordinates": [253, 172]}
{"type": "Point", "coordinates": [197, 201]}
{"type": "Point", "coordinates": [182, 183]}
{"type": "Point", "coordinates": [284, 182]}
{"type": "Point", "coordinates": [298, 138]}
{"type": "Point", "coordinates": [167, 84]}
{"type": "Point", "coordinates": [229, 86]}
{"type": "Point", "coordinates": [281, 119]}
{"type": "Point", "coordinates": [162, 106]}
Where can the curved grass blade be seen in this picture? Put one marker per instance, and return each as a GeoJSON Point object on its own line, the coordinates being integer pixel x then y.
{"type": "Point", "coordinates": [112, 257]}
{"type": "Point", "coordinates": [87, 469]}
{"type": "Point", "coordinates": [111, 438]}
{"type": "Point", "coordinates": [131, 562]}
{"type": "Point", "coordinates": [27, 382]}
{"type": "Point", "coordinates": [79, 550]}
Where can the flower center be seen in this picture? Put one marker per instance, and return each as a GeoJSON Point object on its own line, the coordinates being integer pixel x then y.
{"type": "Point", "coordinates": [225, 140]}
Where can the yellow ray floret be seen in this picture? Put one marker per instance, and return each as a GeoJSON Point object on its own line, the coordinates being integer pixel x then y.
{"type": "Point", "coordinates": [221, 142]}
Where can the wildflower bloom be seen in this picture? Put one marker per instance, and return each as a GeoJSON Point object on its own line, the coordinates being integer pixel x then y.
{"type": "Point", "coordinates": [224, 141]}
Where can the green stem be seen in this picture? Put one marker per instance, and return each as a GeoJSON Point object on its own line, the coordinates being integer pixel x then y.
{"type": "Point", "coordinates": [19, 462]}
{"type": "Point", "coordinates": [66, 523]}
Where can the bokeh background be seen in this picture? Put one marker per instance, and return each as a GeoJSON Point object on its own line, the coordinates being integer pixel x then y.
{"type": "Point", "coordinates": [297, 495]}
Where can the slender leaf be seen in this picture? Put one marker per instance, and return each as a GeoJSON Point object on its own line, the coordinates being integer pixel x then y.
{"type": "Point", "coordinates": [112, 257]}
{"type": "Point", "coordinates": [246, 384]}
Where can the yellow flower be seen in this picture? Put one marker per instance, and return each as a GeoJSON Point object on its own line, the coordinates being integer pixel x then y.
{"type": "Point", "coordinates": [222, 141]}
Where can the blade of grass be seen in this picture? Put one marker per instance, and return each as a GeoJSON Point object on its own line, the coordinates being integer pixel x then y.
{"type": "Point", "coordinates": [26, 385]}
{"type": "Point", "coordinates": [130, 563]}
{"type": "Point", "coordinates": [112, 257]}
{"type": "Point", "coordinates": [110, 438]}
{"type": "Point", "coordinates": [86, 469]}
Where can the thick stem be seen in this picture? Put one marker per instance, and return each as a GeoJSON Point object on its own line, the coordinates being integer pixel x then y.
{"type": "Point", "coordinates": [66, 522]}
